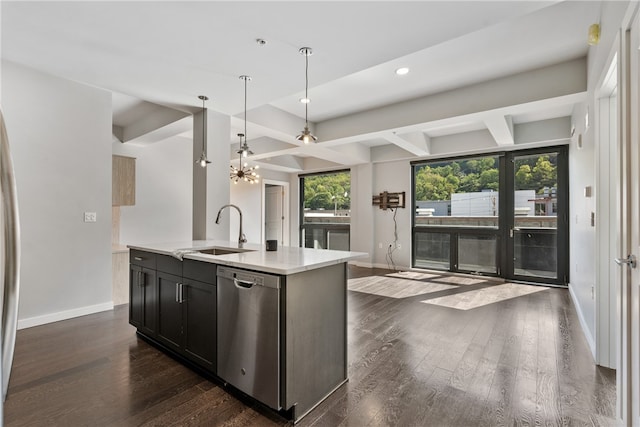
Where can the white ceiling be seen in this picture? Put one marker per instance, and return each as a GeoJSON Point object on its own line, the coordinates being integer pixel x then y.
{"type": "Point", "coordinates": [164, 54]}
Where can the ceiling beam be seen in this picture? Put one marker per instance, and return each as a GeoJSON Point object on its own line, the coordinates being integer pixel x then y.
{"type": "Point", "coordinates": [501, 128]}
{"type": "Point", "coordinates": [161, 118]}
{"type": "Point", "coordinates": [555, 81]}
{"type": "Point", "coordinates": [417, 143]}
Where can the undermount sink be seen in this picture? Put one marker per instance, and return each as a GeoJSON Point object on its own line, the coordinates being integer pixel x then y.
{"type": "Point", "coordinates": [222, 251]}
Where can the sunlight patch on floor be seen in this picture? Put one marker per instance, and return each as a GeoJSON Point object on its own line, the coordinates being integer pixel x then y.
{"type": "Point", "coordinates": [480, 297]}
{"type": "Point", "coordinates": [395, 288]}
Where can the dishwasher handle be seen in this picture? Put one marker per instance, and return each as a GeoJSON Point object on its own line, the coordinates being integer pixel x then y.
{"type": "Point", "coordinates": [243, 284]}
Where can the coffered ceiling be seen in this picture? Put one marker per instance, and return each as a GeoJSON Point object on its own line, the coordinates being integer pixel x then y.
{"type": "Point", "coordinates": [479, 70]}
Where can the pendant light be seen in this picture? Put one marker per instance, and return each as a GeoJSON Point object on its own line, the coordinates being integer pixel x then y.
{"type": "Point", "coordinates": [244, 172]}
{"type": "Point", "coordinates": [202, 161]}
{"type": "Point", "coordinates": [306, 136]}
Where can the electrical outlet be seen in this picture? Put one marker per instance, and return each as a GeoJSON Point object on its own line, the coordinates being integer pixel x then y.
{"type": "Point", "coordinates": [380, 245]}
{"type": "Point", "coordinates": [90, 217]}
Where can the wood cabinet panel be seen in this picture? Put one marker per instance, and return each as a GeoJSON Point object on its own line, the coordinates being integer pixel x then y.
{"type": "Point", "coordinates": [123, 181]}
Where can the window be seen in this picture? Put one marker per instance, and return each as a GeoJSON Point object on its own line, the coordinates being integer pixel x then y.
{"type": "Point", "coordinates": [457, 214]}
{"type": "Point", "coordinates": [325, 210]}
{"type": "Point", "coordinates": [503, 214]}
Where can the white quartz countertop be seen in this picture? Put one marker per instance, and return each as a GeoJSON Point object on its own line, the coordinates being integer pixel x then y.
{"type": "Point", "coordinates": [286, 260]}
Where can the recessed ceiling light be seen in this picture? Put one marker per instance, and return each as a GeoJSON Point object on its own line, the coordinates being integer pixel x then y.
{"type": "Point", "coordinates": [305, 100]}
{"type": "Point", "coordinates": [402, 71]}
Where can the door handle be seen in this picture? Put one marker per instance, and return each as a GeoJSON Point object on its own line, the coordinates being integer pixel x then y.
{"type": "Point", "coordinates": [243, 284]}
{"type": "Point", "coordinates": [630, 260]}
{"type": "Point", "coordinates": [179, 293]}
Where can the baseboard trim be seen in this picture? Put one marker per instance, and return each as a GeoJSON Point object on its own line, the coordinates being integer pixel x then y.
{"type": "Point", "coordinates": [63, 315]}
{"type": "Point", "coordinates": [583, 323]}
{"type": "Point", "coordinates": [377, 265]}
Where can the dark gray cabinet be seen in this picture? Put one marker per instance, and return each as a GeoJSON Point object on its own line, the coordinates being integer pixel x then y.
{"type": "Point", "coordinates": [169, 310]}
{"type": "Point", "coordinates": [199, 322]}
{"type": "Point", "coordinates": [184, 305]}
{"type": "Point", "coordinates": [143, 292]}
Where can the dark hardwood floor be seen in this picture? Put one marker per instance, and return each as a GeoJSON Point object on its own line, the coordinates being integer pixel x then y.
{"type": "Point", "coordinates": [521, 361]}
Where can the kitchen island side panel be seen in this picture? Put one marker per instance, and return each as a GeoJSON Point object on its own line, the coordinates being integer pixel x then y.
{"type": "Point", "coordinates": [316, 336]}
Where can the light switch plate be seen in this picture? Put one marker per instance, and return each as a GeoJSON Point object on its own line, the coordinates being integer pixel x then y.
{"type": "Point", "coordinates": [90, 217]}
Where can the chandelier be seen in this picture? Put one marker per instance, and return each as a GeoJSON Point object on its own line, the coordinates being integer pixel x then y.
{"type": "Point", "coordinates": [243, 171]}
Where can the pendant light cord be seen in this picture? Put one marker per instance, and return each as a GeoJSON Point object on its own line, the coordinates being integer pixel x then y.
{"type": "Point", "coordinates": [245, 109]}
{"type": "Point", "coordinates": [203, 129]}
{"type": "Point", "coordinates": [306, 88]}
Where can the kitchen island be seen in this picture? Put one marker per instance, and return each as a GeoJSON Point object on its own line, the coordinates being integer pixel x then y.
{"type": "Point", "coordinates": [272, 324]}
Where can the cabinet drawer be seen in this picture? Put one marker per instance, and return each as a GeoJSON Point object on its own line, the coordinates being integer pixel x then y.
{"type": "Point", "coordinates": [199, 270]}
{"type": "Point", "coordinates": [169, 264]}
{"type": "Point", "coordinates": [142, 258]}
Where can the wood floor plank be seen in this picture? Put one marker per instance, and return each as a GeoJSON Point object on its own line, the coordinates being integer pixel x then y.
{"type": "Point", "coordinates": [520, 361]}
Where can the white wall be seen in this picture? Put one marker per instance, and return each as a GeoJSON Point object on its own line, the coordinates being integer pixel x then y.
{"type": "Point", "coordinates": [582, 164]}
{"type": "Point", "coordinates": [163, 208]}
{"type": "Point", "coordinates": [582, 237]}
{"type": "Point", "coordinates": [362, 212]}
{"type": "Point", "coordinates": [60, 134]}
{"type": "Point", "coordinates": [248, 197]}
{"type": "Point", "coordinates": [392, 177]}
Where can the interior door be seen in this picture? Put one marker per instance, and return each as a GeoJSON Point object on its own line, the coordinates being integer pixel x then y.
{"type": "Point", "coordinates": [274, 213]}
{"type": "Point", "coordinates": [536, 214]}
{"type": "Point", "coordinates": [628, 372]}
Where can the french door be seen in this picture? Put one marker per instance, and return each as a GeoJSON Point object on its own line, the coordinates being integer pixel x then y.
{"type": "Point", "coordinates": [502, 214]}
{"type": "Point", "coordinates": [537, 229]}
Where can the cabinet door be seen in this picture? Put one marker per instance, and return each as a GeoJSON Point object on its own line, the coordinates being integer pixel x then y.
{"type": "Point", "coordinates": [123, 181]}
{"type": "Point", "coordinates": [170, 310]}
{"type": "Point", "coordinates": [136, 296]}
{"type": "Point", "coordinates": [142, 297]}
{"type": "Point", "coordinates": [200, 322]}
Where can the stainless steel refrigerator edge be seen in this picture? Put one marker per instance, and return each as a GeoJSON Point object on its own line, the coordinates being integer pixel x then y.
{"type": "Point", "coordinates": [11, 262]}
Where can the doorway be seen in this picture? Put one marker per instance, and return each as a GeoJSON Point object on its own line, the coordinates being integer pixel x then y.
{"type": "Point", "coordinates": [275, 214]}
{"type": "Point", "coordinates": [608, 214]}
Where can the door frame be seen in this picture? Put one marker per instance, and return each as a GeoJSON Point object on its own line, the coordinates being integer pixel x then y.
{"type": "Point", "coordinates": [286, 210]}
{"type": "Point", "coordinates": [607, 185]}
{"type": "Point", "coordinates": [628, 344]}
{"type": "Point", "coordinates": [562, 227]}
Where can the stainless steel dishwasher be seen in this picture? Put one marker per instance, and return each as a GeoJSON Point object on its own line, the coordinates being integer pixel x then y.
{"type": "Point", "coordinates": [249, 333]}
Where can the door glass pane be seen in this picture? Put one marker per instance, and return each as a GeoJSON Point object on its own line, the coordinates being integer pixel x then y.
{"type": "Point", "coordinates": [535, 253]}
{"type": "Point", "coordinates": [326, 210]}
{"type": "Point", "coordinates": [535, 248]}
{"type": "Point", "coordinates": [326, 198]}
{"type": "Point", "coordinates": [338, 240]}
{"type": "Point", "coordinates": [457, 193]}
{"type": "Point", "coordinates": [477, 254]}
{"type": "Point", "coordinates": [432, 250]}
{"type": "Point", "coordinates": [314, 238]}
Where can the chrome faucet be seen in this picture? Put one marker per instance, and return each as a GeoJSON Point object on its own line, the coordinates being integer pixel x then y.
{"type": "Point", "coordinates": [241, 237]}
